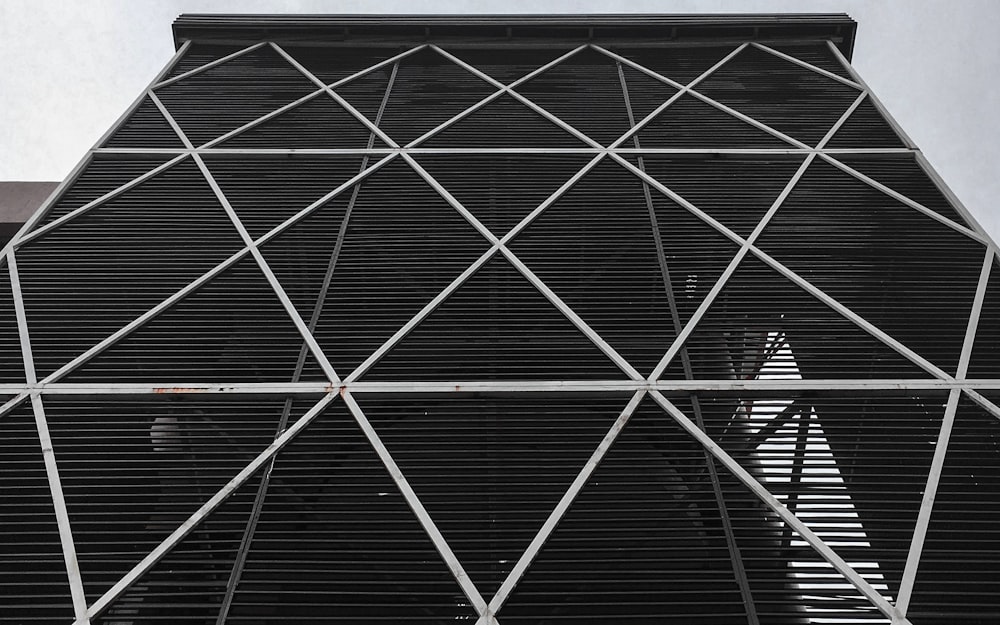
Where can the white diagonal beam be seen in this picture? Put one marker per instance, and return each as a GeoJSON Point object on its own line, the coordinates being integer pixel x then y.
{"type": "Point", "coordinates": [543, 534]}
{"type": "Point", "coordinates": [874, 99]}
{"type": "Point", "coordinates": [454, 203]}
{"type": "Point", "coordinates": [954, 201]}
{"type": "Point", "coordinates": [858, 320]}
{"type": "Point", "coordinates": [22, 319]}
{"type": "Point", "coordinates": [983, 402]}
{"type": "Point", "coordinates": [571, 315]}
{"type": "Point", "coordinates": [61, 513]}
{"type": "Point", "coordinates": [977, 308]}
{"type": "Point", "coordinates": [749, 120]}
{"type": "Point", "coordinates": [428, 308]}
{"type": "Point", "coordinates": [972, 234]}
{"type": "Point", "coordinates": [927, 504]}
{"type": "Point", "coordinates": [96, 203]}
{"type": "Point", "coordinates": [21, 392]}
{"type": "Point", "coordinates": [170, 120]}
{"type": "Point", "coordinates": [558, 193]}
{"type": "Point", "coordinates": [205, 510]}
{"type": "Point", "coordinates": [809, 66]}
{"type": "Point", "coordinates": [260, 120]}
{"type": "Point", "coordinates": [470, 590]}
{"type": "Point", "coordinates": [46, 450]}
{"type": "Point", "coordinates": [786, 516]}
{"type": "Point", "coordinates": [941, 449]}
{"type": "Point", "coordinates": [206, 66]}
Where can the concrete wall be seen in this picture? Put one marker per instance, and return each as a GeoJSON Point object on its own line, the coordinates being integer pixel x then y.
{"type": "Point", "coordinates": [18, 200]}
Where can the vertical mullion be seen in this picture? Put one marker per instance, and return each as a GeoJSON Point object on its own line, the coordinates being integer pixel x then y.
{"type": "Point", "coordinates": [258, 504]}
{"type": "Point", "coordinates": [734, 551]}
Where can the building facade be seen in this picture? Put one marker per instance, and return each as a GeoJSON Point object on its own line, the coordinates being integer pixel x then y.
{"type": "Point", "coordinates": [521, 320]}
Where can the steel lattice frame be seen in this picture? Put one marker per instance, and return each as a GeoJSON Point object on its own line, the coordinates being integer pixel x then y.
{"type": "Point", "coordinates": [341, 386]}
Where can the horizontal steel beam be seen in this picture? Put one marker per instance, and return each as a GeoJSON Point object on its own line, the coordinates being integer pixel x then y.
{"type": "Point", "coordinates": [488, 150]}
{"type": "Point", "coordinates": [477, 386]}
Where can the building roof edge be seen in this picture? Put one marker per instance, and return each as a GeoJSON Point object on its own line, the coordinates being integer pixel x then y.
{"type": "Point", "coordinates": [838, 27]}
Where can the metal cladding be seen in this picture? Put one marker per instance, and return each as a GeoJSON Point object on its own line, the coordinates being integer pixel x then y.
{"type": "Point", "coordinates": [346, 324]}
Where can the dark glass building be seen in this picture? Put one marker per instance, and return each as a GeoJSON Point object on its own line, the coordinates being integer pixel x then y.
{"type": "Point", "coordinates": [521, 320]}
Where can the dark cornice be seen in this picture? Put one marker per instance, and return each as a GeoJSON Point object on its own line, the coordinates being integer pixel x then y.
{"type": "Point", "coordinates": [472, 29]}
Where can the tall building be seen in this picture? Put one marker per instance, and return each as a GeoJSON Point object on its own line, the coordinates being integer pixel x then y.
{"type": "Point", "coordinates": [520, 320]}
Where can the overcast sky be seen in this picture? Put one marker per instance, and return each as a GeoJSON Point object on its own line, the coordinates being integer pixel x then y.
{"type": "Point", "coordinates": [70, 68]}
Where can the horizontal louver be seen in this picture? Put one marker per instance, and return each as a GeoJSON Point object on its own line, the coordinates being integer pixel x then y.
{"type": "Point", "coordinates": [101, 176]}
{"type": "Point", "coordinates": [958, 580]}
{"type": "Point", "coordinates": [817, 54]}
{"type": "Point", "coordinates": [865, 128]}
{"type": "Point", "coordinates": [145, 127]}
{"type": "Point", "coordinates": [585, 91]}
{"type": "Point", "coordinates": [763, 325]}
{"type": "Point", "coordinates": [266, 190]}
{"type": "Point", "coordinates": [902, 174]}
{"type": "Point", "coordinates": [134, 469]}
{"type": "Point", "coordinates": [489, 470]}
{"type": "Point", "coordinates": [851, 466]}
{"type": "Point", "coordinates": [402, 244]}
{"type": "Point", "coordinates": [792, 99]}
{"type": "Point", "coordinates": [319, 123]}
{"type": "Point", "coordinates": [198, 54]}
{"type": "Point", "coordinates": [681, 65]}
{"type": "Point", "coordinates": [911, 276]}
{"type": "Point", "coordinates": [122, 258]}
{"type": "Point", "coordinates": [11, 362]}
{"type": "Point", "coordinates": [32, 569]}
{"type": "Point", "coordinates": [691, 123]}
{"type": "Point", "coordinates": [428, 90]}
{"type": "Point", "coordinates": [222, 98]}
{"type": "Point", "coordinates": [335, 541]}
{"type": "Point", "coordinates": [643, 543]}
{"type": "Point", "coordinates": [501, 189]}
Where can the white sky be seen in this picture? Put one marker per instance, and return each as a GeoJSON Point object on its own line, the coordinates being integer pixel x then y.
{"type": "Point", "coordinates": [70, 69]}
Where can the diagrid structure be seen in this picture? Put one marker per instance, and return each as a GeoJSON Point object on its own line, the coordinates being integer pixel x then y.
{"type": "Point", "coordinates": [635, 319]}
